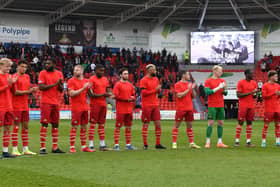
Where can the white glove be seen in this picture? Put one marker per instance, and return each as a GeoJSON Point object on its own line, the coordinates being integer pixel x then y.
{"type": "Point", "coordinates": [221, 85]}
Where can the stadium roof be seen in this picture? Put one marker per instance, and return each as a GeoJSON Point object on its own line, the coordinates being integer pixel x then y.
{"type": "Point", "coordinates": [189, 12]}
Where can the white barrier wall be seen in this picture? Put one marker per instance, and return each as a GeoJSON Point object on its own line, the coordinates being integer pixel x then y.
{"type": "Point", "coordinates": [23, 28]}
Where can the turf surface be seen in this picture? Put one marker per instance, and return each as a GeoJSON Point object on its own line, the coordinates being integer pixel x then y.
{"type": "Point", "coordinates": [183, 167]}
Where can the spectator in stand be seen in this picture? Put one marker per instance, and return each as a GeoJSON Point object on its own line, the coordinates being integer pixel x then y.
{"type": "Point", "coordinates": [134, 51]}
{"type": "Point", "coordinates": [175, 62]}
{"type": "Point", "coordinates": [186, 57]}
{"type": "Point", "coordinates": [263, 66]}
{"type": "Point", "coordinates": [260, 84]}
{"type": "Point", "coordinates": [270, 58]}
{"type": "Point", "coordinates": [163, 53]}
{"type": "Point", "coordinates": [170, 96]}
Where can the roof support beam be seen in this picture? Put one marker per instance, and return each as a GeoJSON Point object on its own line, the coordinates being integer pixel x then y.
{"type": "Point", "coordinates": [166, 14]}
{"type": "Point", "coordinates": [201, 19]}
{"type": "Point", "coordinates": [132, 12]}
{"type": "Point", "coordinates": [265, 7]}
{"type": "Point", "coordinates": [66, 10]}
{"type": "Point", "coordinates": [239, 14]}
{"type": "Point", "coordinates": [5, 3]}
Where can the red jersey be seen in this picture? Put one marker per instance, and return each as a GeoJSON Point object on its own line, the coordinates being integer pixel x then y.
{"type": "Point", "coordinates": [244, 86]}
{"type": "Point", "coordinates": [148, 93]}
{"type": "Point", "coordinates": [5, 94]}
{"type": "Point", "coordinates": [52, 95]}
{"type": "Point", "coordinates": [124, 91]}
{"type": "Point", "coordinates": [216, 99]}
{"type": "Point", "coordinates": [271, 100]}
{"type": "Point", "coordinates": [20, 102]}
{"type": "Point", "coordinates": [99, 86]}
{"type": "Point", "coordinates": [79, 102]}
{"type": "Point", "coordinates": [184, 103]}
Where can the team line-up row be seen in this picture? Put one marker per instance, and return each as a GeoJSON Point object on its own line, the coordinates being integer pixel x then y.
{"type": "Point", "coordinates": [14, 109]}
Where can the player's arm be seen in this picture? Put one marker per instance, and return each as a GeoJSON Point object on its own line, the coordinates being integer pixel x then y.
{"type": "Point", "coordinates": [74, 93]}
{"type": "Point", "coordinates": [240, 95]}
{"type": "Point", "coordinates": [266, 94]}
{"type": "Point", "coordinates": [11, 81]}
{"type": "Point", "coordinates": [209, 91]}
{"type": "Point", "coordinates": [182, 94]}
{"type": "Point", "coordinates": [44, 87]}
{"type": "Point", "coordinates": [193, 94]}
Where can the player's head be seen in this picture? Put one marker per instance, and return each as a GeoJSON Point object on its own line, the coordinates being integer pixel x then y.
{"type": "Point", "coordinates": [217, 71]}
{"type": "Point", "coordinates": [5, 65]}
{"type": "Point", "coordinates": [22, 66]}
{"type": "Point", "coordinates": [249, 74]}
{"type": "Point", "coordinates": [78, 71]}
{"type": "Point", "coordinates": [50, 64]}
{"type": "Point", "coordinates": [123, 74]}
{"type": "Point", "coordinates": [184, 75]}
{"type": "Point", "coordinates": [272, 76]}
{"type": "Point", "coordinates": [151, 70]}
{"type": "Point", "coordinates": [99, 70]}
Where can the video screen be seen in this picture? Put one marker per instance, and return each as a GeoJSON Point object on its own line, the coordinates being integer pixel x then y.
{"type": "Point", "coordinates": [236, 47]}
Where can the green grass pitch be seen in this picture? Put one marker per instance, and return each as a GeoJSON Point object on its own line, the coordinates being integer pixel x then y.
{"type": "Point", "coordinates": [183, 167]}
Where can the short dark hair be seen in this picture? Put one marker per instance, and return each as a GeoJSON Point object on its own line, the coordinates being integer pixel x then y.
{"type": "Point", "coordinates": [181, 73]}
{"type": "Point", "coordinates": [271, 73]}
{"type": "Point", "coordinates": [247, 71]}
{"type": "Point", "coordinates": [98, 66]}
{"type": "Point", "coordinates": [122, 70]}
{"type": "Point", "coordinates": [53, 60]}
{"type": "Point", "coordinates": [22, 62]}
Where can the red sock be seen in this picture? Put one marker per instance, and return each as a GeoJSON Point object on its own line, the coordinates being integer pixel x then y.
{"type": "Point", "coordinates": [158, 134]}
{"type": "Point", "coordinates": [145, 133]}
{"type": "Point", "coordinates": [24, 137]}
{"type": "Point", "coordinates": [91, 132]}
{"type": "Point", "coordinates": [117, 135]}
{"type": "Point", "coordinates": [43, 136]}
{"type": "Point", "coordinates": [128, 135]}
{"type": "Point", "coordinates": [174, 134]}
{"type": "Point", "coordinates": [6, 138]}
{"type": "Point", "coordinates": [277, 131]}
{"type": "Point", "coordinates": [54, 137]}
{"type": "Point", "coordinates": [15, 136]}
{"type": "Point", "coordinates": [238, 131]}
{"type": "Point", "coordinates": [83, 137]}
{"type": "Point", "coordinates": [264, 132]}
{"type": "Point", "coordinates": [73, 136]}
{"type": "Point", "coordinates": [190, 134]}
{"type": "Point", "coordinates": [249, 131]}
{"type": "Point", "coordinates": [101, 131]}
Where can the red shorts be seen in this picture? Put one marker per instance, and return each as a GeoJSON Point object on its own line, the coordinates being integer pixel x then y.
{"type": "Point", "coordinates": [246, 114]}
{"type": "Point", "coordinates": [21, 116]}
{"type": "Point", "coordinates": [98, 114]}
{"type": "Point", "coordinates": [79, 117]}
{"type": "Point", "coordinates": [150, 113]}
{"type": "Point", "coordinates": [49, 113]}
{"type": "Point", "coordinates": [271, 116]}
{"type": "Point", "coordinates": [125, 119]}
{"type": "Point", "coordinates": [187, 115]}
{"type": "Point", "coordinates": [6, 118]}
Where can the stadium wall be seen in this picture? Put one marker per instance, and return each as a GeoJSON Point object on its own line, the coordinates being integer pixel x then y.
{"type": "Point", "coordinates": [23, 28]}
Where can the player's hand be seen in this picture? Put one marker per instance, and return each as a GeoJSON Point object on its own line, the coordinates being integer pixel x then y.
{"type": "Point", "coordinates": [86, 85]}
{"type": "Point", "coordinates": [277, 92]}
{"type": "Point", "coordinates": [107, 94]}
{"type": "Point", "coordinates": [90, 85]}
{"type": "Point", "coordinates": [14, 79]}
{"type": "Point", "coordinates": [254, 91]}
{"type": "Point", "coordinates": [131, 99]}
{"type": "Point", "coordinates": [59, 81]}
{"type": "Point", "coordinates": [158, 87]}
{"type": "Point", "coordinates": [34, 89]}
{"type": "Point", "coordinates": [225, 85]}
{"type": "Point", "coordinates": [9, 80]}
